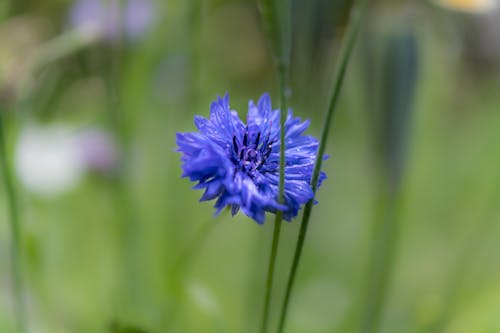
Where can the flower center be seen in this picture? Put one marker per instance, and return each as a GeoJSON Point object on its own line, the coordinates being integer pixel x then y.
{"type": "Point", "coordinates": [251, 154]}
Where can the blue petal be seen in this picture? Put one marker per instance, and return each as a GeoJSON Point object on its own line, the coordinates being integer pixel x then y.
{"type": "Point", "coordinates": [214, 159]}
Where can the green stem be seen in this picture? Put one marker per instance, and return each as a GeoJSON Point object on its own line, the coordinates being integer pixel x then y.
{"type": "Point", "coordinates": [351, 34]}
{"type": "Point", "coordinates": [15, 231]}
{"type": "Point", "coordinates": [282, 73]}
{"type": "Point", "coordinates": [270, 271]}
{"type": "Point", "coordinates": [277, 22]}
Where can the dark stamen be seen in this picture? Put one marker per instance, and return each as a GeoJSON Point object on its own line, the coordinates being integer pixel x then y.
{"type": "Point", "coordinates": [268, 151]}
{"type": "Point", "coordinates": [245, 139]}
{"type": "Point", "coordinates": [257, 140]}
{"type": "Point", "coordinates": [235, 145]}
{"type": "Point", "coordinates": [267, 139]}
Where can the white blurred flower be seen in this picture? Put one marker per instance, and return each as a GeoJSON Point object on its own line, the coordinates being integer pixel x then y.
{"type": "Point", "coordinates": [51, 159]}
{"type": "Point", "coordinates": [47, 160]}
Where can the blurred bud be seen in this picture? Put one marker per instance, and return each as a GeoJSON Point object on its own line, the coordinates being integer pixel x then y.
{"type": "Point", "coordinates": [111, 19]}
{"type": "Point", "coordinates": [98, 151]}
{"type": "Point", "coordinates": [399, 77]}
{"type": "Point", "coordinates": [139, 17]}
{"type": "Point", "coordinates": [391, 69]}
{"type": "Point", "coordinates": [96, 15]}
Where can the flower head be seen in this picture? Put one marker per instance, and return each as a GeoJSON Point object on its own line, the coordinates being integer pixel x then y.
{"type": "Point", "coordinates": [238, 164]}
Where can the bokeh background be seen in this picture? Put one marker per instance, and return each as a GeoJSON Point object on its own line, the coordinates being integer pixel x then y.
{"type": "Point", "coordinates": [92, 93]}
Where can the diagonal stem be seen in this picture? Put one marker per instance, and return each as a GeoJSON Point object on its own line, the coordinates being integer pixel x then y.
{"type": "Point", "coordinates": [351, 34]}
{"type": "Point", "coordinates": [15, 231]}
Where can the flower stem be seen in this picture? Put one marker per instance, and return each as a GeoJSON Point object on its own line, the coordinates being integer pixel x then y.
{"type": "Point", "coordinates": [277, 23]}
{"type": "Point", "coordinates": [15, 231]}
{"type": "Point", "coordinates": [279, 215]}
{"type": "Point", "coordinates": [270, 271]}
{"type": "Point", "coordinates": [350, 38]}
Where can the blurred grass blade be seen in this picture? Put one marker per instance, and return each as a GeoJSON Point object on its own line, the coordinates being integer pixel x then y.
{"type": "Point", "coordinates": [192, 248]}
{"type": "Point", "coordinates": [478, 240]}
{"type": "Point", "coordinates": [177, 276]}
{"type": "Point", "coordinates": [128, 228]}
{"type": "Point", "coordinates": [52, 51]}
{"type": "Point", "coordinates": [392, 123]}
{"type": "Point", "coordinates": [384, 240]}
{"type": "Point", "coordinates": [15, 226]}
{"type": "Point", "coordinates": [350, 38]}
{"type": "Point", "coordinates": [276, 17]}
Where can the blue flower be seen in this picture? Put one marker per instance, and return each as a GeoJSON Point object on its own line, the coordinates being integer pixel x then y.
{"type": "Point", "coordinates": [238, 164]}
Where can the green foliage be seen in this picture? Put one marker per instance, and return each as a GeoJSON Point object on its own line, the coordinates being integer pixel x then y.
{"type": "Point", "coordinates": [77, 244]}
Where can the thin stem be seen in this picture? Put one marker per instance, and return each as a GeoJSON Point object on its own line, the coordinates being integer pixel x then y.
{"type": "Point", "coordinates": [279, 215]}
{"type": "Point", "coordinates": [283, 110]}
{"type": "Point", "coordinates": [351, 34]}
{"type": "Point", "coordinates": [15, 231]}
{"type": "Point", "coordinates": [277, 20]}
{"type": "Point", "coordinates": [270, 271]}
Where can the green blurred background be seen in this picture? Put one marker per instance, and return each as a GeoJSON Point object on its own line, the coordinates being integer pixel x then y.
{"type": "Point", "coordinates": [122, 244]}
